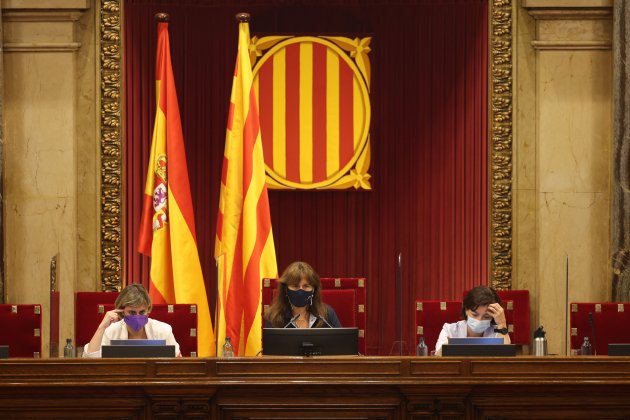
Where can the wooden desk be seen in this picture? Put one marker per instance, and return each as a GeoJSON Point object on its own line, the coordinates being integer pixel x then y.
{"type": "Point", "coordinates": [353, 387]}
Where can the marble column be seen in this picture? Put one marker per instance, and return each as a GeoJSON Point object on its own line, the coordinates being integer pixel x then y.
{"type": "Point", "coordinates": [572, 87]}
{"type": "Point", "coordinates": [621, 153]}
{"type": "Point", "coordinates": [49, 109]}
{"type": "Point", "coordinates": [2, 297]}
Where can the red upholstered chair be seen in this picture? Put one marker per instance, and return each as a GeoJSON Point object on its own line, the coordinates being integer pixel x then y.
{"type": "Point", "coordinates": [611, 322]}
{"type": "Point", "coordinates": [345, 295]}
{"type": "Point", "coordinates": [91, 307]}
{"type": "Point", "coordinates": [87, 314]}
{"type": "Point", "coordinates": [516, 307]}
{"type": "Point", "coordinates": [431, 315]}
{"type": "Point", "coordinates": [21, 329]}
{"type": "Point", "coordinates": [181, 317]}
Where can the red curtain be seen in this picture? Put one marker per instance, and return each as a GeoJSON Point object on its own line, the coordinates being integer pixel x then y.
{"type": "Point", "coordinates": [429, 144]}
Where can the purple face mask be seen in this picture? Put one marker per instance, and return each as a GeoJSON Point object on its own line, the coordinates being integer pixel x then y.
{"type": "Point", "coordinates": [136, 322]}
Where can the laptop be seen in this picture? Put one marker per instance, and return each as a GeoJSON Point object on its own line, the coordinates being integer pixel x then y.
{"type": "Point", "coordinates": [142, 342]}
{"type": "Point", "coordinates": [138, 349]}
{"type": "Point", "coordinates": [475, 340]}
{"type": "Point", "coordinates": [618, 349]}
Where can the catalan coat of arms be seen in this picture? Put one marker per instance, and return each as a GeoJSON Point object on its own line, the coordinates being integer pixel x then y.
{"type": "Point", "coordinates": [314, 108]}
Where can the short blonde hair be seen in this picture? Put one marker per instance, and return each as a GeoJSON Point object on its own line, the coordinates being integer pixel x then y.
{"type": "Point", "coordinates": [134, 295]}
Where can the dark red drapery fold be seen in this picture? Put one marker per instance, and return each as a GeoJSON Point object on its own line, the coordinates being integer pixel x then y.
{"type": "Point", "coordinates": [429, 144]}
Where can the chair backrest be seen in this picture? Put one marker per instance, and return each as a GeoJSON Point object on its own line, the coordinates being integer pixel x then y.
{"type": "Point", "coordinates": [516, 303]}
{"type": "Point", "coordinates": [181, 317]}
{"type": "Point", "coordinates": [345, 295]}
{"type": "Point", "coordinates": [91, 307]}
{"type": "Point", "coordinates": [610, 321]}
{"type": "Point", "coordinates": [516, 307]}
{"type": "Point", "coordinates": [431, 315]}
{"type": "Point", "coordinates": [87, 315]}
{"type": "Point", "coordinates": [21, 329]}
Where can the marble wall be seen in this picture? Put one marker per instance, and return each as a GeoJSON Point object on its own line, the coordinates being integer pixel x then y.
{"type": "Point", "coordinates": [50, 152]}
{"type": "Point", "coordinates": [564, 85]}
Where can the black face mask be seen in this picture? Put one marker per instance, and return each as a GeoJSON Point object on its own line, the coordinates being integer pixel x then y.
{"type": "Point", "coordinates": [300, 298]}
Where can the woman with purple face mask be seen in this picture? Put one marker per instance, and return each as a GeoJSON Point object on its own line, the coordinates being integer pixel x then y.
{"type": "Point", "coordinates": [130, 320]}
{"type": "Point", "coordinates": [298, 302]}
{"type": "Point", "coordinates": [482, 316]}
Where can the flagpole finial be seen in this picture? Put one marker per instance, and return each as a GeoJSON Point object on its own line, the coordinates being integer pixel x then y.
{"type": "Point", "coordinates": [243, 17]}
{"type": "Point", "coordinates": [162, 17]}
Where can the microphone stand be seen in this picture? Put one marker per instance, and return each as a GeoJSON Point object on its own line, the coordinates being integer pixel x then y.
{"type": "Point", "coordinates": [567, 344]}
{"type": "Point", "coordinates": [591, 321]}
{"type": "Point", "coordinates": [291, 320]}
{"type": "Point", "coordinates": [402, 346]}
{"type": "Point", "coordinates": [399, 300]}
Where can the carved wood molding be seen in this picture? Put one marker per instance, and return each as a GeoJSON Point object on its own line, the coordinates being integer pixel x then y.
{"type": "Point", "coordinates": [111, 144]}
{"type": "Point", "coordinates": [501, 144]}
{"type": "Point", "coordinates": [500, 136]}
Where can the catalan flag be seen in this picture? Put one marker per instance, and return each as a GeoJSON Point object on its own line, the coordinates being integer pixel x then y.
{"type": "Point", "coordinates": [167, 230]}
{"type": "Point", "coordinates": [244, 247]}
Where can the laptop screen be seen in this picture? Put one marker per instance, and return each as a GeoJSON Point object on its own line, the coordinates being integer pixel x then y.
{"type": "Point", "coordinates": [137, 351]}
{"type": "Point", "coordinates": [138, 342]}
{"type": "Point", "coordinates": [475, 340]}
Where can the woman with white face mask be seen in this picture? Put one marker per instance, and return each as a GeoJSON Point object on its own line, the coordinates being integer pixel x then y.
{"type": "Point", "coordinates": [482, 316]}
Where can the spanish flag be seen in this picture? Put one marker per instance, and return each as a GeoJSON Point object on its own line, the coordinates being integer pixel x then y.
{"type": "Point", "coordinates": [167, 230]}
{"type": "Point", "coordinates": [244, 247]}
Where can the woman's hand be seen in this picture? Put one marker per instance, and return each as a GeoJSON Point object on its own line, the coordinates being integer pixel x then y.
{"type": "Point", "coordinates": [111, 317]}
{"type": "Point", "coordinates": [496, 311]}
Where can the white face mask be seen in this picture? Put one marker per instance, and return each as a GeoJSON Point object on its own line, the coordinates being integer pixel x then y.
{"type": "Point", "coordinates": [477, 326]}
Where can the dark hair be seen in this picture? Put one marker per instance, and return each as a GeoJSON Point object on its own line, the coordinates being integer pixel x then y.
{"type": "Point", "coordinates": [479, 296]}
{"type": "Point", "coordinates": [280, 311]}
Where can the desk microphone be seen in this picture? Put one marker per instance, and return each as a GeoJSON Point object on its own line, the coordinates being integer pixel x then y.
{"type": "Point", "coordinates": [323, 319]}
{"type": "Point", "coordinates": [291, 320]}
{"type": "Point", "coordinates": [591, 322]}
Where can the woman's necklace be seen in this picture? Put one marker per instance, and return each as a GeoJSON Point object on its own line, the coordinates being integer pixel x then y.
{"type": "Point", "coordinates": [302, 321]}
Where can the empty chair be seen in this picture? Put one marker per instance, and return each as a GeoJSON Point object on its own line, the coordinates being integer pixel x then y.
{"type": "Point", "coordinates": [21, 329]}
{"type": "Point", "coordinates": [603, 322]}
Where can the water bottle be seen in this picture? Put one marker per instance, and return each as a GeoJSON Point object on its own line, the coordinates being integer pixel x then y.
{"type": "Point", "coordinates": [68, 350]}
{"type": "Point", "coordinates": [228, 349]}
{"type": "Point", "coordinates": [421, 349]}
{"type": "Point", "coordinates": [587, 348]}
{"type": "Point", "coordinates": [540, 342]}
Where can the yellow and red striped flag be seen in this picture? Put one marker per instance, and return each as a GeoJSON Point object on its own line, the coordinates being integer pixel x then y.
{"type": "Point", "coordinates": [244, 246]}
{"type": "Point", "coordinates": [167, 230]}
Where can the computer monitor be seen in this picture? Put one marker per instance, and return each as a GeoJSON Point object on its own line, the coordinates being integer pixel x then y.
{"type": "Point", "coordinates": [310, 341]}
{"type": "Point", "coordinates": [619, 349]}
{"type": "Point", "coordinates": [135, 351]}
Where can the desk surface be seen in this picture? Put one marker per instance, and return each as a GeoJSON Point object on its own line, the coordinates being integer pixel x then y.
{"type": "Point", "coordinates": [332, 387]}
